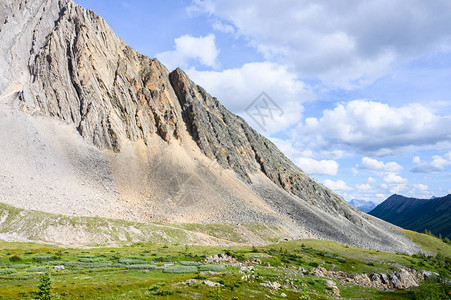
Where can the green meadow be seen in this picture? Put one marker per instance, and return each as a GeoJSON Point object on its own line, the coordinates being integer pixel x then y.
{"type": "Point", "coordinates": [155, 271]}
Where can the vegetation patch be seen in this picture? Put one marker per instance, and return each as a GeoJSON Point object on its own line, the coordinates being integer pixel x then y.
{"type": "Point", "coordinates": [7, 271]}
{"type": "Point", "coordinates": [37, 269]}
{"type": "Point", "coordinates": [142, 267]}
{"type": "Point", "coordinates": [180, 269]}
{"type": "Point", "coordinates": [190, 263]}
{"type": "Point", "coordinates": [212, 268]}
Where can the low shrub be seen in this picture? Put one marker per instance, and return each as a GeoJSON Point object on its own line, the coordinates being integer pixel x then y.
{"type": "Point", "coordinates": [55, 262]}
{"type": "Point", "coordinates": [7, 271]}
{"type": "Point", "coordinates": [141, 267]}
{"type": "Point", "coordinates": [40, 258]}
{"type": "Point", "coordinates": [19, 266]}
{"type": "Point", "coordinates": [212, 268]}
{"type": "Point", "coordinates": [165, 258]}
{"type": "Point", "coordinates": [75, 265]}
{"type": "Point", "coordinates": [164, 293]}
{"type": "Point", "coordinates": [190, 263]}
{"type": "Point", "coordinates": [87, 256]}
{"type": "Point", "coordinates": [314, 264]}
{"type": "Point", "coordinates": [90, 259]}
{"type": "Point", "coordinates": [15, 258]}
{"type": "Point", "coordinates": [132, 261]}
{"type": "Point", "coordinates": [37, 269]}
{"type": "Point", "coordinates": [180, 269]}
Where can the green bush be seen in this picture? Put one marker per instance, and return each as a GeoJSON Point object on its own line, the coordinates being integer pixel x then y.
{"type": "Point", "coordinates": [132, 261]}
{"type": "Point", "coordinates": [213, 268]}
{"type": "Point", "coordinates": [45, 287]}
{"type": "Point", "coordinates": [314, 264]}
{"type": "Point", "coordinates": [142, 267]}
{"type": "Point", "coordinates": [190, 263]}
{"type": "Point", "coordinates": [19, 266]}
{"type": "Point", "coordinates": [37, 269]}
{"type": "Point", "coordinates": [87, 256]}
{"type": "Point", "coordinates": [41, 258]}
{"type": "Point", "coordinates": [90, 259]}
{"type": "Point", "coordinates": [165, 258]}
{"type": "Point", "coordinates": [433, 288]}
{"type": "Point", "coordinates": [180, 269]}
{"type": "Point", "coordinates": [164, 293]}
{"type": "Point", "coordinates": [87, 265]}
{"type": "Point", "coordinates": [15, 258]}
{"type": "Point", "coordinates": [56, 262]}
{"type": "Point", "coordinates": [7, 271]}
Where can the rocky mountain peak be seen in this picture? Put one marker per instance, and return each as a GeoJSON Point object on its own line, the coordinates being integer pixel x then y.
{"type": "Point", "coordinates": [149, 137]}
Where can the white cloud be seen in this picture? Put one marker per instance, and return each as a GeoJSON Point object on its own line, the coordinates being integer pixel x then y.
{"type": "Point", "coordinates": [238, 88]}
{"type": "Point", "coordinates": [188, 48]}
{"type": "Point", "coordinates": [338, 185]}
{"type": "Point", "coordinates": [371, 180]}
{"type": "Point", "coordinates": [343, 43]}
{"type": "Point", "coordinates": [381, 196]}
{"type": "Point", "coordinates": [393, 178]}
{"type": "Point", "coordinates": [421, 187]}
{"type": "Point", "coordinates": [223, 27]}
{"type": "Point", "coordinates": [375, 128]}
{"type": "Point", "coordinates": [379, 166]}
{"type": "Point", "coordinates": [363, 187]}
{"type": "Point", "coordinates": [316, 167]}
{"type": "Point", "coordinates": [438, 164]}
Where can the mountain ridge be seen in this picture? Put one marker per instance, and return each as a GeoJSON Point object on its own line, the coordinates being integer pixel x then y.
{"type": "Point", "coordinates": [154, 145]}
{"type": "Point", "coordinates": [363, 205]}
{"type": "Point", "coordinates": [417, 214]}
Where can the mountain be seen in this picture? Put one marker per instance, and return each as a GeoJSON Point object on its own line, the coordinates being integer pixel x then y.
{"type": "Point", "coordinates": [90, 127]}
{"type": "Point", "coordinates": [417, 214]}
{"type": "Point", "coordinates": [365, 206]}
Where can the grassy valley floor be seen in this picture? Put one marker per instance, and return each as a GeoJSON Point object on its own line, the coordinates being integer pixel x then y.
{"type": "Point", "coordinates": [287, 270]}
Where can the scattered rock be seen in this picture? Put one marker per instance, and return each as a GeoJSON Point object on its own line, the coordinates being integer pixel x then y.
{"type": "Point", "coordinates": [333, 286]}
{"type": "Point", "coordinates": [245, 269]}
{"type": "Point", "coordinates": [273, 285]}
{"type": "Point", "coordinates": [211, 283]}
{"type": "Point", "coordinates": [222, 257]}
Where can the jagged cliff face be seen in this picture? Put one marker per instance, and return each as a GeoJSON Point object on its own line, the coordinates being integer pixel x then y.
{"type": "Point", "coordinates": [119, 126]}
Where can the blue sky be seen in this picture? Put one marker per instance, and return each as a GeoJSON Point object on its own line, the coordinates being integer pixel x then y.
{"type": "Point", "coordinates": [363, 86]}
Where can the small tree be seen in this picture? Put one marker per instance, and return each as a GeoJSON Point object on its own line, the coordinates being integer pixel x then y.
{"type": "Point", "coordinates": [45, 286]}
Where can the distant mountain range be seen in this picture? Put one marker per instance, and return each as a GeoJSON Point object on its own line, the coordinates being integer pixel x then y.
{"type": "Point", "coordinates": [417, 214]}
{"type": "Point", "coordinates": [363, 205]}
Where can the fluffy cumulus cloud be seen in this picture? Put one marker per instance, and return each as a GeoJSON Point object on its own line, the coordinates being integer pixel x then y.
{"type": "Point", "coordinates": [376, 128]}
{"type": "Point", "coordinates": [239, 88]}
{"type": "Point", "coordinates": [343, 43]}
{"type": "Point", "coordinates": [379, 166]}
{"type": "Point", "coordinates": [421, 187]}
{"type": "Point", "coordinates": [393, 178]}
{"type": "Point", "coordinates": [318, 167]}
{"type": "Point", "coordinates": [201, 49]}
{"type": "Point", "coordinates": [338, 186]}
{"type": "Point", "coordinates": [437, 164]}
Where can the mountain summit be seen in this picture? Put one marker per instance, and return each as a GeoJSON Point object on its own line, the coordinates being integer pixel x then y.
{"type": "Point", "coordinates": [91, 127]}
